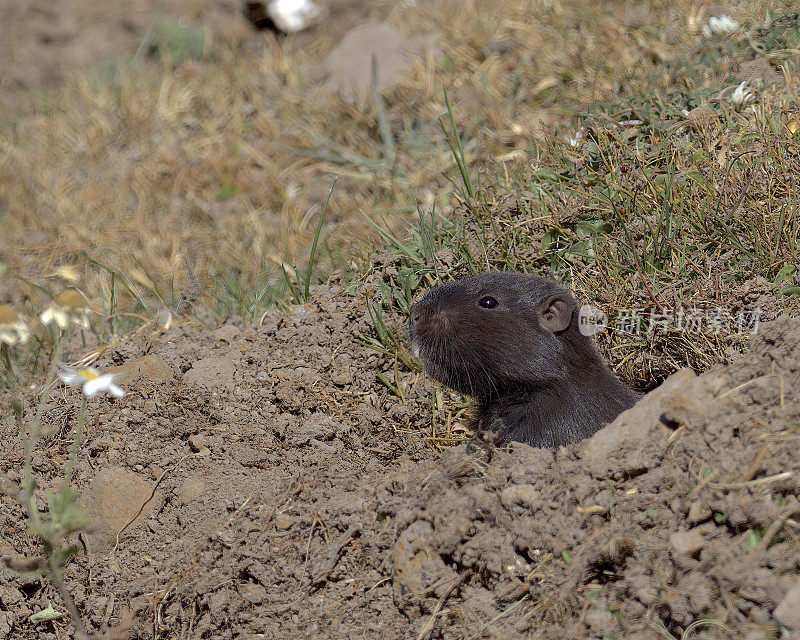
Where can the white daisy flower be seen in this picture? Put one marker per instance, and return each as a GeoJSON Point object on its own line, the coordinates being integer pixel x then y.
{"type": "Point", "coordinates": [69, 307]}
{"type": "Point", "coordinates": [741, 95]}
{"type": "Point", "coordinates": [13, 330]}
{"type": "Point", "coordinates": [720, 26]}
{"type": "Point", "coordinates": [90, 381]}
{"type": "Point", "coordinates": [291, 16]}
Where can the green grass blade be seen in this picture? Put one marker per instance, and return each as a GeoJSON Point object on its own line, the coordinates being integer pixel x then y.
{"type": "Point", "coordinates": [313, 255]}
{"type": "Point", "coordinates": [296, 293]}
{"type": "Point", "coordinates": [408, 251]}
{"type": "Point", "coordinates": [129, 285]}
{"type": "Point", "coordinates": [457, 149]}
{"type": "Point", "coordinates": [389, 149]}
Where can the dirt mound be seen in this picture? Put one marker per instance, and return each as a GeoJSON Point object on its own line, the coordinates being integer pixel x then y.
{"type": "Point", "coordinates": [672, 514]}
{"type": "Point", "coordinates": [261, 481]}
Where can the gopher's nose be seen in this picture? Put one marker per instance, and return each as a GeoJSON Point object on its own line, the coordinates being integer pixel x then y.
{"type": "Point", "coordinates": [428, 318]}
{"type": "Point", "coordinates": [415, 314]}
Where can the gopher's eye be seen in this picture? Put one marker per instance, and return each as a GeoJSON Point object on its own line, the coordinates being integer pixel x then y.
{"type": "Point", "coordinates": [488, 302]}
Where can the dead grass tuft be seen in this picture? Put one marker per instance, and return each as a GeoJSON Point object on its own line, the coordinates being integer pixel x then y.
{"type": "Point", "coordinates": [212, 158]}
{"type": "Point", "coordinates": [200, 172]}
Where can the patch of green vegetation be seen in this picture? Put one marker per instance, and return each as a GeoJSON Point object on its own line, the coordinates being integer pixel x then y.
{"type": "Point", "coordinates": [753, 537]}
{"type": "Point", "coordinates": [175, 40]}
{"type": "Point", "coordinates": [391, 156]}
{"type": "Point", "coordinates": [234, 296]}
{"type": "Point", "coordinates": [118, 321]}
{"type": "Point", "coordinates": [661, 190]}
{"type": "Point", "coordinates": [225, 192]}
{"type": "Point", "coordinates": [110, 71]}
{"type": "Point", "coordinates": [300, 284]}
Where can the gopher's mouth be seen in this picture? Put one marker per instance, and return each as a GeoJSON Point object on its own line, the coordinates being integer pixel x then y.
{"type": "Point", "coordinates": [423, 350]}
{"type": "Point", "coordinates": [436, 366]}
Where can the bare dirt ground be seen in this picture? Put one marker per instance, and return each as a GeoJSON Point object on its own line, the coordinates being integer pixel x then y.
{"type": "Point", "coordinates": [43, 43]}
{"type": "Point", "coordinates": [281, 492]}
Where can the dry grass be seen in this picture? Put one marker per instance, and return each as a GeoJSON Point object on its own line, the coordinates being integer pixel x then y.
{"type": "Point", "coordinates": [197, 166]}
{"type": "Point", "coordinates": [205, 180]}
{"type": "Point", "coordinates": [675, 200]}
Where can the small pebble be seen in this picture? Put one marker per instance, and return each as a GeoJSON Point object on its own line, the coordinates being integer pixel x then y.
{"type": "Point", "coordinates": [283, 521]}
{"type": "Point", "coordinates": [198, 442]}
{"type": "Point", "coordinates": [787, 613]}
{"type": "Point", "coordinates": [689, 543]}
{"type": "Point", "coordinates": [524, 495]}
{"type": "Point", "coordinates": [698, 512]}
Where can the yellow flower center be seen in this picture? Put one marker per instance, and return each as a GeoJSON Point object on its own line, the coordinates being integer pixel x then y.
{"type": "Point", "coordinates": [71, 299]}
{"type": "Point", "coordinates": [88, 374]}
{"type": "Point", "coordinates": [8, 316]}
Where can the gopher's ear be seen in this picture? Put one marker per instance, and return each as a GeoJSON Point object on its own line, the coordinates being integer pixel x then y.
{"type": "Point", "coordinates": [555, 313]}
